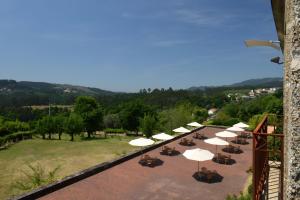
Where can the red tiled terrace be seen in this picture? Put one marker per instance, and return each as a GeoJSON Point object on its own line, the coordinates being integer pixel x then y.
{"type": "Point", "coordinates": [171, 180]}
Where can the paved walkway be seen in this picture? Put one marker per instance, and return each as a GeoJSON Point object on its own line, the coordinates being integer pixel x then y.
{"type": "Point", "coordinates": [171, 180]}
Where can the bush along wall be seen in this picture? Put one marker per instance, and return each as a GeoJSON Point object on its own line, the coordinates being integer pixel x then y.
{"type": "Point", "coordinates": [14, 137]}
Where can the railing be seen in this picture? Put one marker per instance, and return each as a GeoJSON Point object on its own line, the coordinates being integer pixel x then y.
{"type": "Point", "coordinates": [267, 151]}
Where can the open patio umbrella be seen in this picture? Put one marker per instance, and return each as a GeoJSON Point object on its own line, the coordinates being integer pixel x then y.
{"type": "Point", "coordinates": [141, 142]}
{"type": "Point", "coordinates": [226, 134]}
{"type": "Point", "coordinates": [241, 125]}
{"type": "Point", "coordinates": [162, 136]}
{"type": "Point", "coordinates": [216, 141]}
{"type": "Point", "coordinates": [195, 124]}
{"type": "Point", "coordinates": [198, 155]}
{"type": "Point", "coordinates": [181, 130]}
{"type": "Point", "coordinates": [235, 129]}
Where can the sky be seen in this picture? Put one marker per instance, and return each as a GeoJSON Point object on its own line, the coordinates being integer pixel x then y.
{"type": "Point", "coordinates": [127, 45]}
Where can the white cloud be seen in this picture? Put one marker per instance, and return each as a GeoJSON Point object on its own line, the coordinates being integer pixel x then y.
{"type": "Point", "coordinates": [203, 17]}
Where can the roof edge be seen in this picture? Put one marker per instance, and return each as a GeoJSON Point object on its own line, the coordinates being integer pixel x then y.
{"type": "Point", "coordinates": [278, 9]}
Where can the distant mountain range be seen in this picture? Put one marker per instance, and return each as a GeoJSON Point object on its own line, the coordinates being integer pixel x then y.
{"type": "Point", "coordinates": [261, 82]}
{"type": "Point", "coordinates": [12, 86]}
{"type": "Point", "coordinates": [22, 93]}
{"type": "Point", "coordinates": [25, 93]}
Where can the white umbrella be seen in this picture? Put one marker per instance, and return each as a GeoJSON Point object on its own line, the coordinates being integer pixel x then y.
{"type": "Point", "coordinates": [226, 134]}
{"type": "Point", "coordinates": [141, 142]}
{"type": "Point", "coordinates": [198, 155]}
{"type": "Point", "coordinates": [181, 130]}
{"type": "Point", "coordinates": [235, 128]}
{"type": "Point", "coordinates": [195, 124]}
{"type": "Point", "coordinates": [162, 136]}
{"type": "Point", "coordinates": [216, 141]}
{"type": "Point", "coordinates": [241, 125]}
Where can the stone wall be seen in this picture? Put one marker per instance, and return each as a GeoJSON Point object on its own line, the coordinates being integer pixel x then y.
{"type": "Point", "coordinates": [292, 100]}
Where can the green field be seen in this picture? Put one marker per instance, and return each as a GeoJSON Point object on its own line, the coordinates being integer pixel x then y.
{"type": "Point", "coordinates": [70, 156]}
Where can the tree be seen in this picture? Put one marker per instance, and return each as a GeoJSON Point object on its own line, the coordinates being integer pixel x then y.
{"type": "Point", "coordinates": [45, 126]}
{"type": "Point", "coordinates": [175, 117]}
{"type": "Point", "coordinates": [1, 120]}
{"type": "Point", "coordinates": [41, 127]}
{"type": "Point", "coordinates": [200, 114]}
{"type": "Point", "coordinates": [91, 113]}
{"type": "Point", "coordinates": [148, 125]}
{"type": "Point", "coordinates": [58, 123]}
{"type": "Point", "coordinates": [50, 126]}
{"type": "Point", "coordinates": [275, 106]}
{"type": "Point", "coordinates": [231, 110]}
{"type": "Point", "coordinates": [131, 114]}
{"type": "Point", "coordinates": [112, 121]}
{"type": "Point", "coordinates": [73, 125]}
{"type": "Point", "coordinates": [254, 121]}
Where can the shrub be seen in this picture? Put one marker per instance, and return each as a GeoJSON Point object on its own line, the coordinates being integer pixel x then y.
{"type": "Point", "coordinates": [225, 122]}
{"type": "Point", "coordinates": [8, 127]}
{"type": "Point", "coordinates": [250, 189]}
{"type": "Point", "coordinates": [112, 121]}
{"type": "Point", "coordinates": [254, 121]}
{"type": "Point", "coordinates": [15, 137]}
{"type": "Point", "coordinates": [35, 177]}
{"type": "Point", "coordinates": [148, 124]}
{"type": "Point", "coordinates": [247, 196]}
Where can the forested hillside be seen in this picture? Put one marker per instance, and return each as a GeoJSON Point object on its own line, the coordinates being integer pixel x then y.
{"type": "Point", "coordinates": [147, 111]}
{"type": "Point", "coordinates": [25, 93]}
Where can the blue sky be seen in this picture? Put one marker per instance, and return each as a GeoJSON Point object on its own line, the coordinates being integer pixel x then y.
{"type": "Point", "coordinates": [125, 45]}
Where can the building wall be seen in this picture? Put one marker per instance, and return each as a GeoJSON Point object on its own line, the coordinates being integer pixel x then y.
{"type": "Point", "coordinates": [292, 100]}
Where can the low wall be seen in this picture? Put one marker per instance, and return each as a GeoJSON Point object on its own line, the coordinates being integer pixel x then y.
{"type": "Point", "coordinates": [42, 191]}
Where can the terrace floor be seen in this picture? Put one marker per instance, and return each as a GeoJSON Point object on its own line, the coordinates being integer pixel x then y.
{"type": "Point", "coordinates": [171, 180]}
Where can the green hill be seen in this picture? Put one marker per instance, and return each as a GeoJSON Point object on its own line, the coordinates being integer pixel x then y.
{"type": "Point", "coordinates": [251, 83]}
{"type": "Point", "coordinates": [263, 82]}
{"type": "Point", "coordinates": [25, 93]}
{"type": "Point", "coordinates": [22, 93]}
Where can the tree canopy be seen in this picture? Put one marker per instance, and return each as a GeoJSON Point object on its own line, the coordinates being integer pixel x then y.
{"type": "Point", "coordinates": [73, 125]}
{"type": "Point", "coordinates": [91, 113]}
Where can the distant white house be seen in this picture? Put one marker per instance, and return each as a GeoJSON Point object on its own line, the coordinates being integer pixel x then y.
{"type": "Point", "coordinates": [5, 89]}
{"type": "Point", "coordinates": [212, 111]}
{"type": "Point", "coordinates": [67, 90]}
{"type": "Point", "coordinates": [272, 90]}
{"type": "Point", "coordinates": [251, 93]}
{"type": "Point", "coordinates": [265, 91]}
{"type": "Point", "coordinates": [245, 97]}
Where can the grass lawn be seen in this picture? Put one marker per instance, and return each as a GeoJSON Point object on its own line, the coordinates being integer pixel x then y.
{"type": "Point", "coordinates": [70, 156]}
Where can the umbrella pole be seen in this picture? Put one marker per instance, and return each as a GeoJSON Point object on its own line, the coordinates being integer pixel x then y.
{"type": "Point", "coordinates": [142, 153]}
{"type": "Point", "coordinates": [198, 166]}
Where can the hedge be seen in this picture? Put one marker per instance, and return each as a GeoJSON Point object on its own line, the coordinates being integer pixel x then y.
{"type": "Point", "coordinates": [15, 137]}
